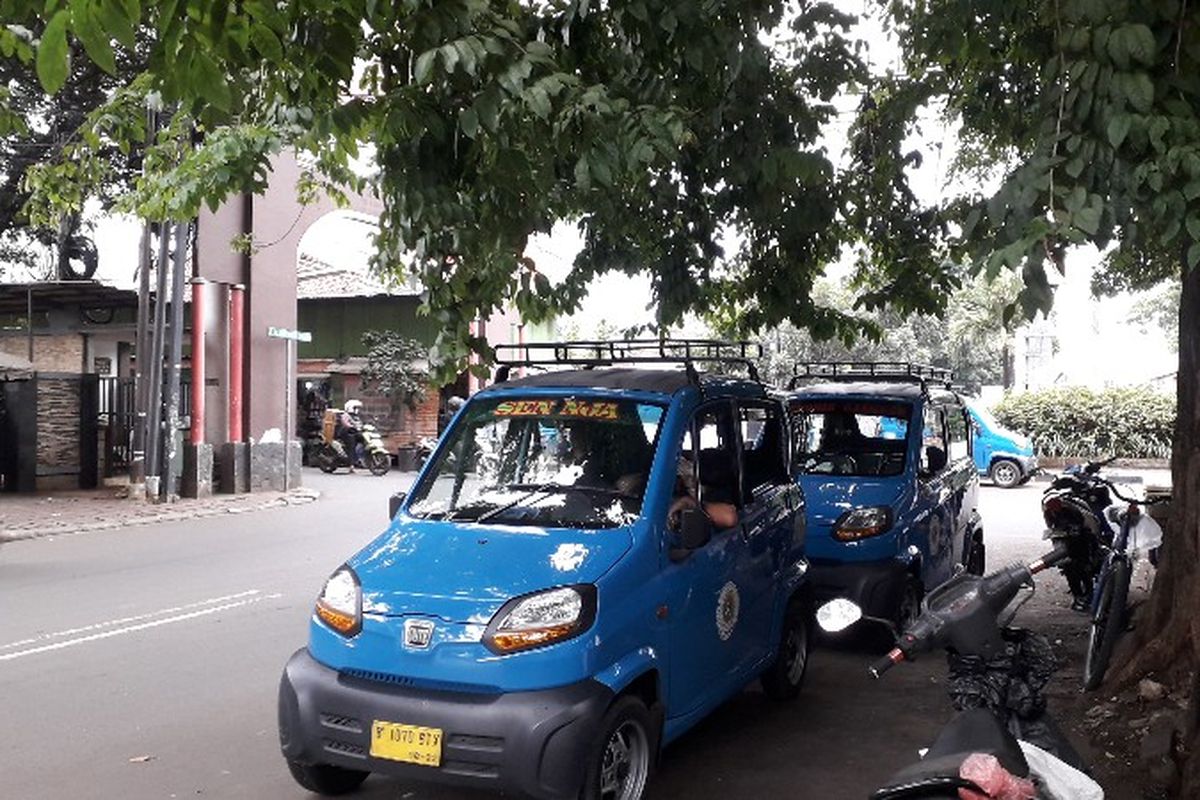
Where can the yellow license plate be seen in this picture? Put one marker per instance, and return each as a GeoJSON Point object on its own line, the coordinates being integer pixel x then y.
{"type": "Point", "coordinates": [410, 743]}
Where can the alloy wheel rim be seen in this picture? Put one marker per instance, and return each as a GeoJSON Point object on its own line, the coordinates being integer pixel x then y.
{"type": "Point", "coordinates": [1005, 474]}
{"type": "Point", "coordinates": [626, 763]}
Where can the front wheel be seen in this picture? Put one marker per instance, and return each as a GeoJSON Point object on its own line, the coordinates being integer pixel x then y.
{"type": "Point", "coordinates": [785, 677]}
{"type": "Point", "coordinates": [1006, 474]}
{"type": "Point", "coordinates": [619, 765]}
{"type": "Point", "coordinates": [379, 463]}
{"type": "Point", "coordinates": [325, 779]}
{"type": "Point", "coordinates": [1108, 623]}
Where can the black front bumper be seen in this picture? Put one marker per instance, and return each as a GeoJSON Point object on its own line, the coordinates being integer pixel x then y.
{"type": "Point", "coordinates": [528, 743]}
{"type": "Point", "coordinates": [876, 586]}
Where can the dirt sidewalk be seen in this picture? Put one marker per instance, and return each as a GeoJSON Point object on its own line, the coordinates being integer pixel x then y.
{"type": "Point", "coordinates": [58, 513]}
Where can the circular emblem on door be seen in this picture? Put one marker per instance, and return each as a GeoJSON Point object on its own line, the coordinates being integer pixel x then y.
{"type": "Point", "coordinates": [729, 603]}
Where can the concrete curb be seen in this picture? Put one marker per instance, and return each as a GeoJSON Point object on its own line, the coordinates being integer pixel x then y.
{"type": "Point", "coordinates": [301, 496]}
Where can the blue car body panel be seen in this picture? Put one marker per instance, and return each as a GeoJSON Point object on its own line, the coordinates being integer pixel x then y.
{"type": "Point", "coordinates": [994, 442]}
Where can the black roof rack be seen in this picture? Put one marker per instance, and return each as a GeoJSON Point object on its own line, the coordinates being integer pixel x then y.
{"type": "Point", "coordinates": [891, 371]}
{"type": "Point", "coordinates": [598, 353]}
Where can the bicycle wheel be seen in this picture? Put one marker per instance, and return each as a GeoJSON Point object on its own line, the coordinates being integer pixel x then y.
{"type": "Point", "coordinates": [1108, 624]}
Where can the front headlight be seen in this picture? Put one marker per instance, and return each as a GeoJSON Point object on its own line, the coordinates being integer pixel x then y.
{"type": "Point", "coordinates": [541, 618]}
{"type": "Point", "coordinates": [863, 523]}
{"type": "Point", "coordinates": [340, 603]}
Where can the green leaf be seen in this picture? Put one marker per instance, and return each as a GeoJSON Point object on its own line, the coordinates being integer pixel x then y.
{"type": "Point", "coordinates": [1192, 190]}
{"type": "Point", "coordinates": [1088, 219]}
{"type": "Point", "coordinates": [1193, 226]}
{"type": "Point", "coordinates": [1139, 90]}
{"type": "Point", "coordinates": [449, 57]}
{"type": "Point", "coordinates": [1141, 43]}
{"type": "Point", "coordinates": [211, 83]}
{"type": "Point", "coordinates": [266, 42]}
{"type": "Point", "coordinates": [116, 23]}
{"type": "Point", "coordinates": [466, 56]}
{"type": "Point", "coordinates": [1118, 129]}
{"type": "Point", "coordinates": [539, 101]}
{"type": "Point", "coordinates": [424, 67]}
{"type": "Point", "coordinates": [52, 65]}
{"type": "Point", "coordinates": [583, 175]}
{"type": "Point", "coordinates": [469, 121]}
{"type": "Point", "coordinates": [487, 105]}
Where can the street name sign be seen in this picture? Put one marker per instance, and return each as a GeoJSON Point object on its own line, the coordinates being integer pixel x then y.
{"type": "Point", "coordinates": [284, 333]}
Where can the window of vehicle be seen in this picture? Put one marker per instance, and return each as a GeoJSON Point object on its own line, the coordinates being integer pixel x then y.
{"type": "Point", "coordinates": [715, 465]}
{"type": "Point", "coordinates": [763, 456]}
{"type": "Point", "coordinates": [958, 434]}
{"type": "Point", "coordinates": [850, 437]}
{"type": "Point", "coordinates": [933, 434]}
{"type": "Point", "coordinates": [571, 462]}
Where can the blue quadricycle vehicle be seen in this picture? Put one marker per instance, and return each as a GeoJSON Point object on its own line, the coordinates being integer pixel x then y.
{"type": "Point", "coordinates": [1004, 456]}
{"type": "Point", "coordinates": [883, 452]}
{"type": "Point", "coordinates": [592, 560]}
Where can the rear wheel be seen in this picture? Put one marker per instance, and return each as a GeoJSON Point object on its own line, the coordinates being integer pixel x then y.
{"type": "Point", "coordinates": [976, 555]}
{"type": "Point", "coordinates": [785, 677]}
{"type": "Point", "coordinates": [619, 764]}
{"type": "Point", "coordinates": [326, 779]}
{"type": "Point", "coordinates": [327, 460]}
{"type": "Point", "coordinates": [1108, 623]}
{"type": "Point", "coordinates": [379, 463]}
{"type": "Point", "coordinates": [1005, 473]}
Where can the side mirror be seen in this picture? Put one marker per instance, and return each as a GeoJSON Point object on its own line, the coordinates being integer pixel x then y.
{"type": "Point", "coordinates": [394, 503]}
{"type": "Point", "coordinates": [695, 531]}
{"type": "Point", "coordinates": [935, 459]}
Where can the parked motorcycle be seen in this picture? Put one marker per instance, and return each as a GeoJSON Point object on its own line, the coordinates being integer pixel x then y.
{"type": "Point", "coordinates": [1002, 739]}
{"type": "Point", "coordinates": [1103, 539]}
{"type": "Point", "coordinates": [371, 453]}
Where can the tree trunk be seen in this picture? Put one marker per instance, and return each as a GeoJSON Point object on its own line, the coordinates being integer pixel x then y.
{"type": "Point", "coordinates": [1167, 640]}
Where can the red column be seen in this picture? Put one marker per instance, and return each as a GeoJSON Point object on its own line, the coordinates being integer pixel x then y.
{"type": "Point", "coordinates": [198, 371]}
{"type": "Point", "coordinates": [237, 333]}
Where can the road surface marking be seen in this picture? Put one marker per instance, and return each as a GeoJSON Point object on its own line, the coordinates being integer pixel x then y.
{"type": "Point", "coordinates": [105, 630]}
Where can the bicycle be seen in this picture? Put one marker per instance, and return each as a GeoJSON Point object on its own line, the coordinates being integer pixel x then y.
{"type": "Point", "coordinates": [1082, 499]}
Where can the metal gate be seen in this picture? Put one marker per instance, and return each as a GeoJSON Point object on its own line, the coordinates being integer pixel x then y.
{"type": "Point", "coordinates": [117, 416]}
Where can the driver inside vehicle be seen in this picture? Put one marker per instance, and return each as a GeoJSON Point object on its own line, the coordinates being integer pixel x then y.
{"type": "Point", "coordinates": [717, 494]}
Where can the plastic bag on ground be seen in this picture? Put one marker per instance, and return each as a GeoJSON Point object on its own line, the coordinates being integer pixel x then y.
{"type": "Point", "coordinates": [1059, 780]}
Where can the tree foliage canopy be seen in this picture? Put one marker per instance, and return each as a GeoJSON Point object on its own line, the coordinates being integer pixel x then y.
{"type": "Point", "coordinates": [1090, 109]}
{"type": "Point", "coordinates": [684, 138]}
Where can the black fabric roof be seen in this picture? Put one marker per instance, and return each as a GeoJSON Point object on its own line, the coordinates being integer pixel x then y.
{"type": "Point", "coordinates": [14, 297]}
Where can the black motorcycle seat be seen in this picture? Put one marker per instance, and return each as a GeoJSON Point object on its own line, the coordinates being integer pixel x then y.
{"type": "Point", "coordinates": [936, 775]}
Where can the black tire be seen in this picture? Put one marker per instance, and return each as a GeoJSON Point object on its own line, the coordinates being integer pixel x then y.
{"type": "Point", "coordinates": [326, 779]}
{"type": "Point", "coordinates": [910, 604]}
{"type": "Point", "coordinates": [379, 463]}
{"type": "Point", "coordinates": [784, 679]}
{"type": "Point", "coordinates": [619, 765]}
{"type": "Point", "coordinates": [976, 556]}
{"type": "Point", "coordinates": [1005, 473]}
{"type": "Point", "coordinates": [1108, 623]}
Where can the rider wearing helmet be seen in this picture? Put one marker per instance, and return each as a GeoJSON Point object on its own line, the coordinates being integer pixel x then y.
{"type": "Point", "coordinates": [348, 430]}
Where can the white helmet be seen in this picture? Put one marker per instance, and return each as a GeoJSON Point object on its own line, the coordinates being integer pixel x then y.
{"type": "Point", "coordinates": [353, 406]}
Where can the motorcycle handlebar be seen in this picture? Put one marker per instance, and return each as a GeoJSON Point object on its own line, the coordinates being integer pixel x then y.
{"type": "Point", "coordinates": [887, 662]}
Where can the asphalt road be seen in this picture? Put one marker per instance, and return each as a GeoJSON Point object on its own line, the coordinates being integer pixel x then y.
{"type": "Point", "coordinates": [143, 663]}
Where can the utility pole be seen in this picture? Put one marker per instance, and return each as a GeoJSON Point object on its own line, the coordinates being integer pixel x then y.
{"type": "Point", "coordinates": [141, 388]}
{"type": "Point", "coordinates": [154, 409]}
{"type": "Point", "coordinates": [175, 359]}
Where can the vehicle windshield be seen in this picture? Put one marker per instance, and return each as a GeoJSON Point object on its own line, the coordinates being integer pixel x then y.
{"type": "Point", "coordinates": [563, 462]}
{"type": "Point", "coordinates": [850, 437]}
{"type": "Point", "coordinates": [985, 418]}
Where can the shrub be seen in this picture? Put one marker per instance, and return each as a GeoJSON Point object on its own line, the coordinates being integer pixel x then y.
{"type": "Point", "coordinates": [1082, 423]}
